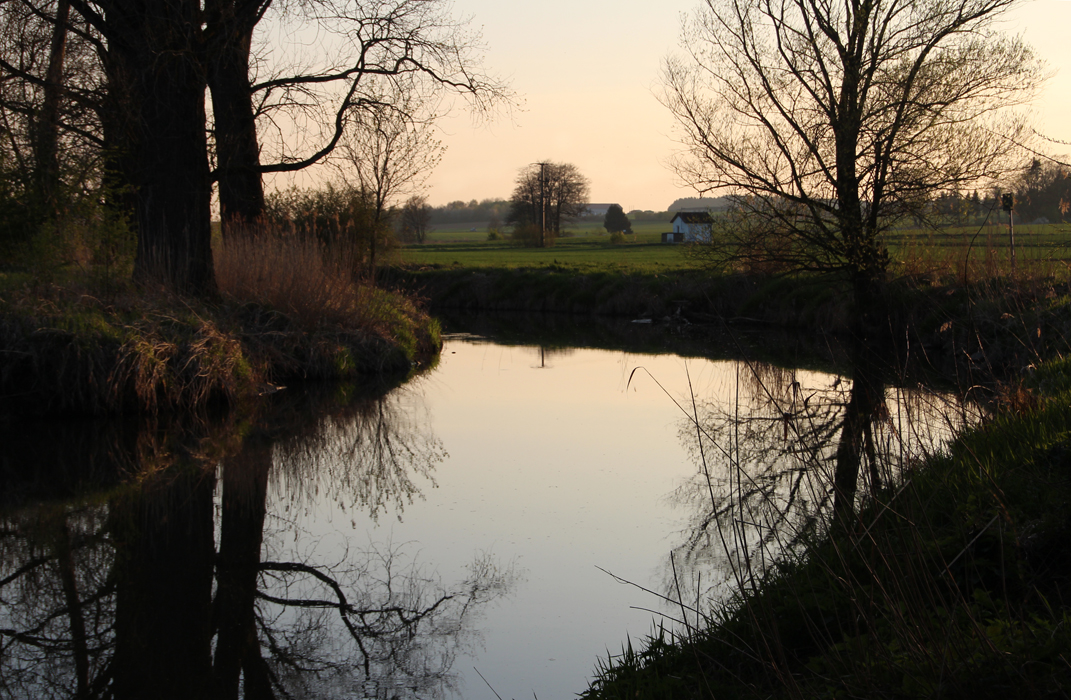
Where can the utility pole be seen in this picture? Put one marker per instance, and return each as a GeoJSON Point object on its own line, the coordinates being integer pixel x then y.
{"type": "Point", "coordinates": [542, 206]}
{"type": "Point", "coordinates": [1007, 201]}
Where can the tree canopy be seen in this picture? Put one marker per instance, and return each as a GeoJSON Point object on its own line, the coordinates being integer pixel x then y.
{"type": "Point", "coordinates": [616, 220]}
{"type": "Point", "coordinates": [830, 122]}
{"type": "Point", "coordinates": [135, 84]}
{"type": "Point", "coordinates": [546, 196]}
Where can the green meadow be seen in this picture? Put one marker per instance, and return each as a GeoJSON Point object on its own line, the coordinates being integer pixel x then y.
{"type": "Point", "coordinates": [951, 252]}
{"type": "Point", "coordinates": [586, 248]}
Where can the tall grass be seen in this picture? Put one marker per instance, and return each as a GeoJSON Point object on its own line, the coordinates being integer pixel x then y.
{"type": "Point", "coordinates": [294, 283]}
{"type": "Point", "coordinates": [952, 581]}
{"type": "Point", "coordinates": [300, 277]}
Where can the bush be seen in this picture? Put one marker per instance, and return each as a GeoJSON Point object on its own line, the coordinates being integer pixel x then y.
{"type": "Point", "coordinates": [531, 236]}
{"type": "Point", "coordinates": [342, 218]}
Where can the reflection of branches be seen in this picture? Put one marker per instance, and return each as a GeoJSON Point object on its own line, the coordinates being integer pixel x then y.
{"type": "Point", "coordinates": [370, 454]}
{"type": "Point", "coordinates": [404, 629]}
{"type": "Point", "coordinates": [56, 604]}
{"type": "Point", "coordinates": [768, 452]}
{"type": "Point", "coordinates": [82, 588]}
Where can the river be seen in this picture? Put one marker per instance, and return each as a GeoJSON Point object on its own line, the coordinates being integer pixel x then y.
{"type": "Point", "coordinates": [466, 534]}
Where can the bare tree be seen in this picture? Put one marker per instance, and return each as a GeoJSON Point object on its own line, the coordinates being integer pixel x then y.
{"type": "Point", "coordinates": [547, 195]}
{"type": "Point", "coordinates": [157, 59]}
{"type": "Point", "coordinates": [829, 122]}
{"type": "Point", "coordinates": [415, 219]}
{"type": "Point", "coordinates": [50, 99]}
{"type": "Point", "coordinates": [375, 56]}
{"type": "Point", "coordinates": [390, 149]}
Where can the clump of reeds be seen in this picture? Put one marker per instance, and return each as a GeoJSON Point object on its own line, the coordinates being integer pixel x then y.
{"type": "Point", "coordinates": [305, 310]}
{"type": "Point", "coordinates": [297, 276]}
{"type": "Point", "coordinates": [69, 352]}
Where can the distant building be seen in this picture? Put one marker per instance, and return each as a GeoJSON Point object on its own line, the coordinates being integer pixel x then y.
{"type": "Point", "coordinates": [690, 227]}
{"type": "Point", "coordinates": [596, 209]}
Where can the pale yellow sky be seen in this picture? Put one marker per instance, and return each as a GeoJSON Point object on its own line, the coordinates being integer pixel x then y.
{"type": "Point", "coordinates": [587, 72]}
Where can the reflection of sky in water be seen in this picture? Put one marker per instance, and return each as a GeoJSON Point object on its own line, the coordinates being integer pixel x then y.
{"type": "Point", "coordinates": [549, 463]}
{"type": "Point", "coordinates": [557, 464]}
{"type": "Point", "coordinates": [556, 469]}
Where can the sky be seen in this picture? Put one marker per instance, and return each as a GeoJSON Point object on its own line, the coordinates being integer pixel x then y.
{"type": "Point", "coordinates": [586, 73]}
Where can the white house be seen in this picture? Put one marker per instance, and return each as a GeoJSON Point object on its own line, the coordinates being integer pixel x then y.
{"type": "Point", "coordinates": [690, 227]}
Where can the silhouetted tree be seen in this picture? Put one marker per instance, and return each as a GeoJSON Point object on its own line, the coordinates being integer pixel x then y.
{"type": "Point", "coordinates": [415, 220]}
{"type": "Point", "coordinates": [829, 123]}
{"type": "Point", "coordinates": [546, 196]}
{"type": "Point", "coordinates": [1043, 191]}
{"type": "Point", "coordinates": [389, 149]}
{"type": "Point", "coordinates": [616, 220]}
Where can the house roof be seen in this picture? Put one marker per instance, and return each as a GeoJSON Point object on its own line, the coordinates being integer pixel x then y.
{"type": "Point", "coordinates": [693, 217]}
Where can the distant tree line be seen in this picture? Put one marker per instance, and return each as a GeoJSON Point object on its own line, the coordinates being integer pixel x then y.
{"type": "Point", "coordinates": [699, 203]}
{"type": "Point", "coordinates": [1041, 190]}
{"type": "Point", "coordinates": [485, 210]}
{"type": "Point", "coordinates": [459, 212]}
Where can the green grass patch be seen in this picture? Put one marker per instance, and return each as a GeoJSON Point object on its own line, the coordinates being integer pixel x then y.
{"type": "Point", "coordinates": [580, 254]}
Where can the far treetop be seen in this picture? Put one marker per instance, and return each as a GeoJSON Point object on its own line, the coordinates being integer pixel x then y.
{"type": "Point", "coordinates": [699, 203]}
{"type": "Point", "coordinates": [479, 212]}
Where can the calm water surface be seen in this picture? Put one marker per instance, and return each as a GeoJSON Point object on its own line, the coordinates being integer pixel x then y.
{"type": "Point", "coordinates": [468, 519]}
{"type": "Point", "coordinates": [554, 465]}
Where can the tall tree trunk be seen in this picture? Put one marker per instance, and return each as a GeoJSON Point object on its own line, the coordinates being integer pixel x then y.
{"type": "Point", "coordinates": [46, 146]}
{"type": "Point", "coordinates": [156, 50]}
{"type": "Point", "coordinates": [244, 504]}
{"type": "Point", "coordinates": [241, 189]}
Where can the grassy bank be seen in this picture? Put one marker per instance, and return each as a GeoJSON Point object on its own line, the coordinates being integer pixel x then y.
{"type": "Point", "coordinates": [989, 327]}
{"type": "Point", "coordinates": [285, 312]}
{"type": "Point", "coordinates": [956, 583]}
{"type": "Point", "coordinates": [952, 582]}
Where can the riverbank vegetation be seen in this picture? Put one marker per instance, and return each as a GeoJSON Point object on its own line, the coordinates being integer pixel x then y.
{"type": "Point", "coordinates": [288, 309]}
{"type": "Point", "coordinates": [952, 582]}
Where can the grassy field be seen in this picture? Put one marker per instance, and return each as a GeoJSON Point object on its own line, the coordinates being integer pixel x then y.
{"type": "Point", "coordinates": [966, 253]}
{"type": "Point", "coordinates": [647, 231]}
{"type": "Point", "coordinates": [586, 251]}
{"type": "Point", "coordinates": [1039, 250]}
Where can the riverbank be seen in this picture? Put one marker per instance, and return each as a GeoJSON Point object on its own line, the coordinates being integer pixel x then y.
{"type": "Point", "coordinates": [991, 329]}
{"type": "Point", "coordinates": [68, 351]}
{"type": "Point", "coordinates": [954, 583]}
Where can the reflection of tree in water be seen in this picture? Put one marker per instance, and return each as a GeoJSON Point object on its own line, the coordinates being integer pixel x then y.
{"type": "Point", "coordinates": [402, 628]}
{"type": "Point", "coordinates": [769, 454]}
{"type": "Point", "coordinates": [367, 455]}
{"type": "Point", "coordinates": [56, 603]}
{"type": "Point", "coordinates": [546, 354]}
{"type": "Point", "coordinates": [157, 588]}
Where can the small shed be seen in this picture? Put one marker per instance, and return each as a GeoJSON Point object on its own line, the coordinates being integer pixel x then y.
{"type": "Point", "coordinates": [690, 227]}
